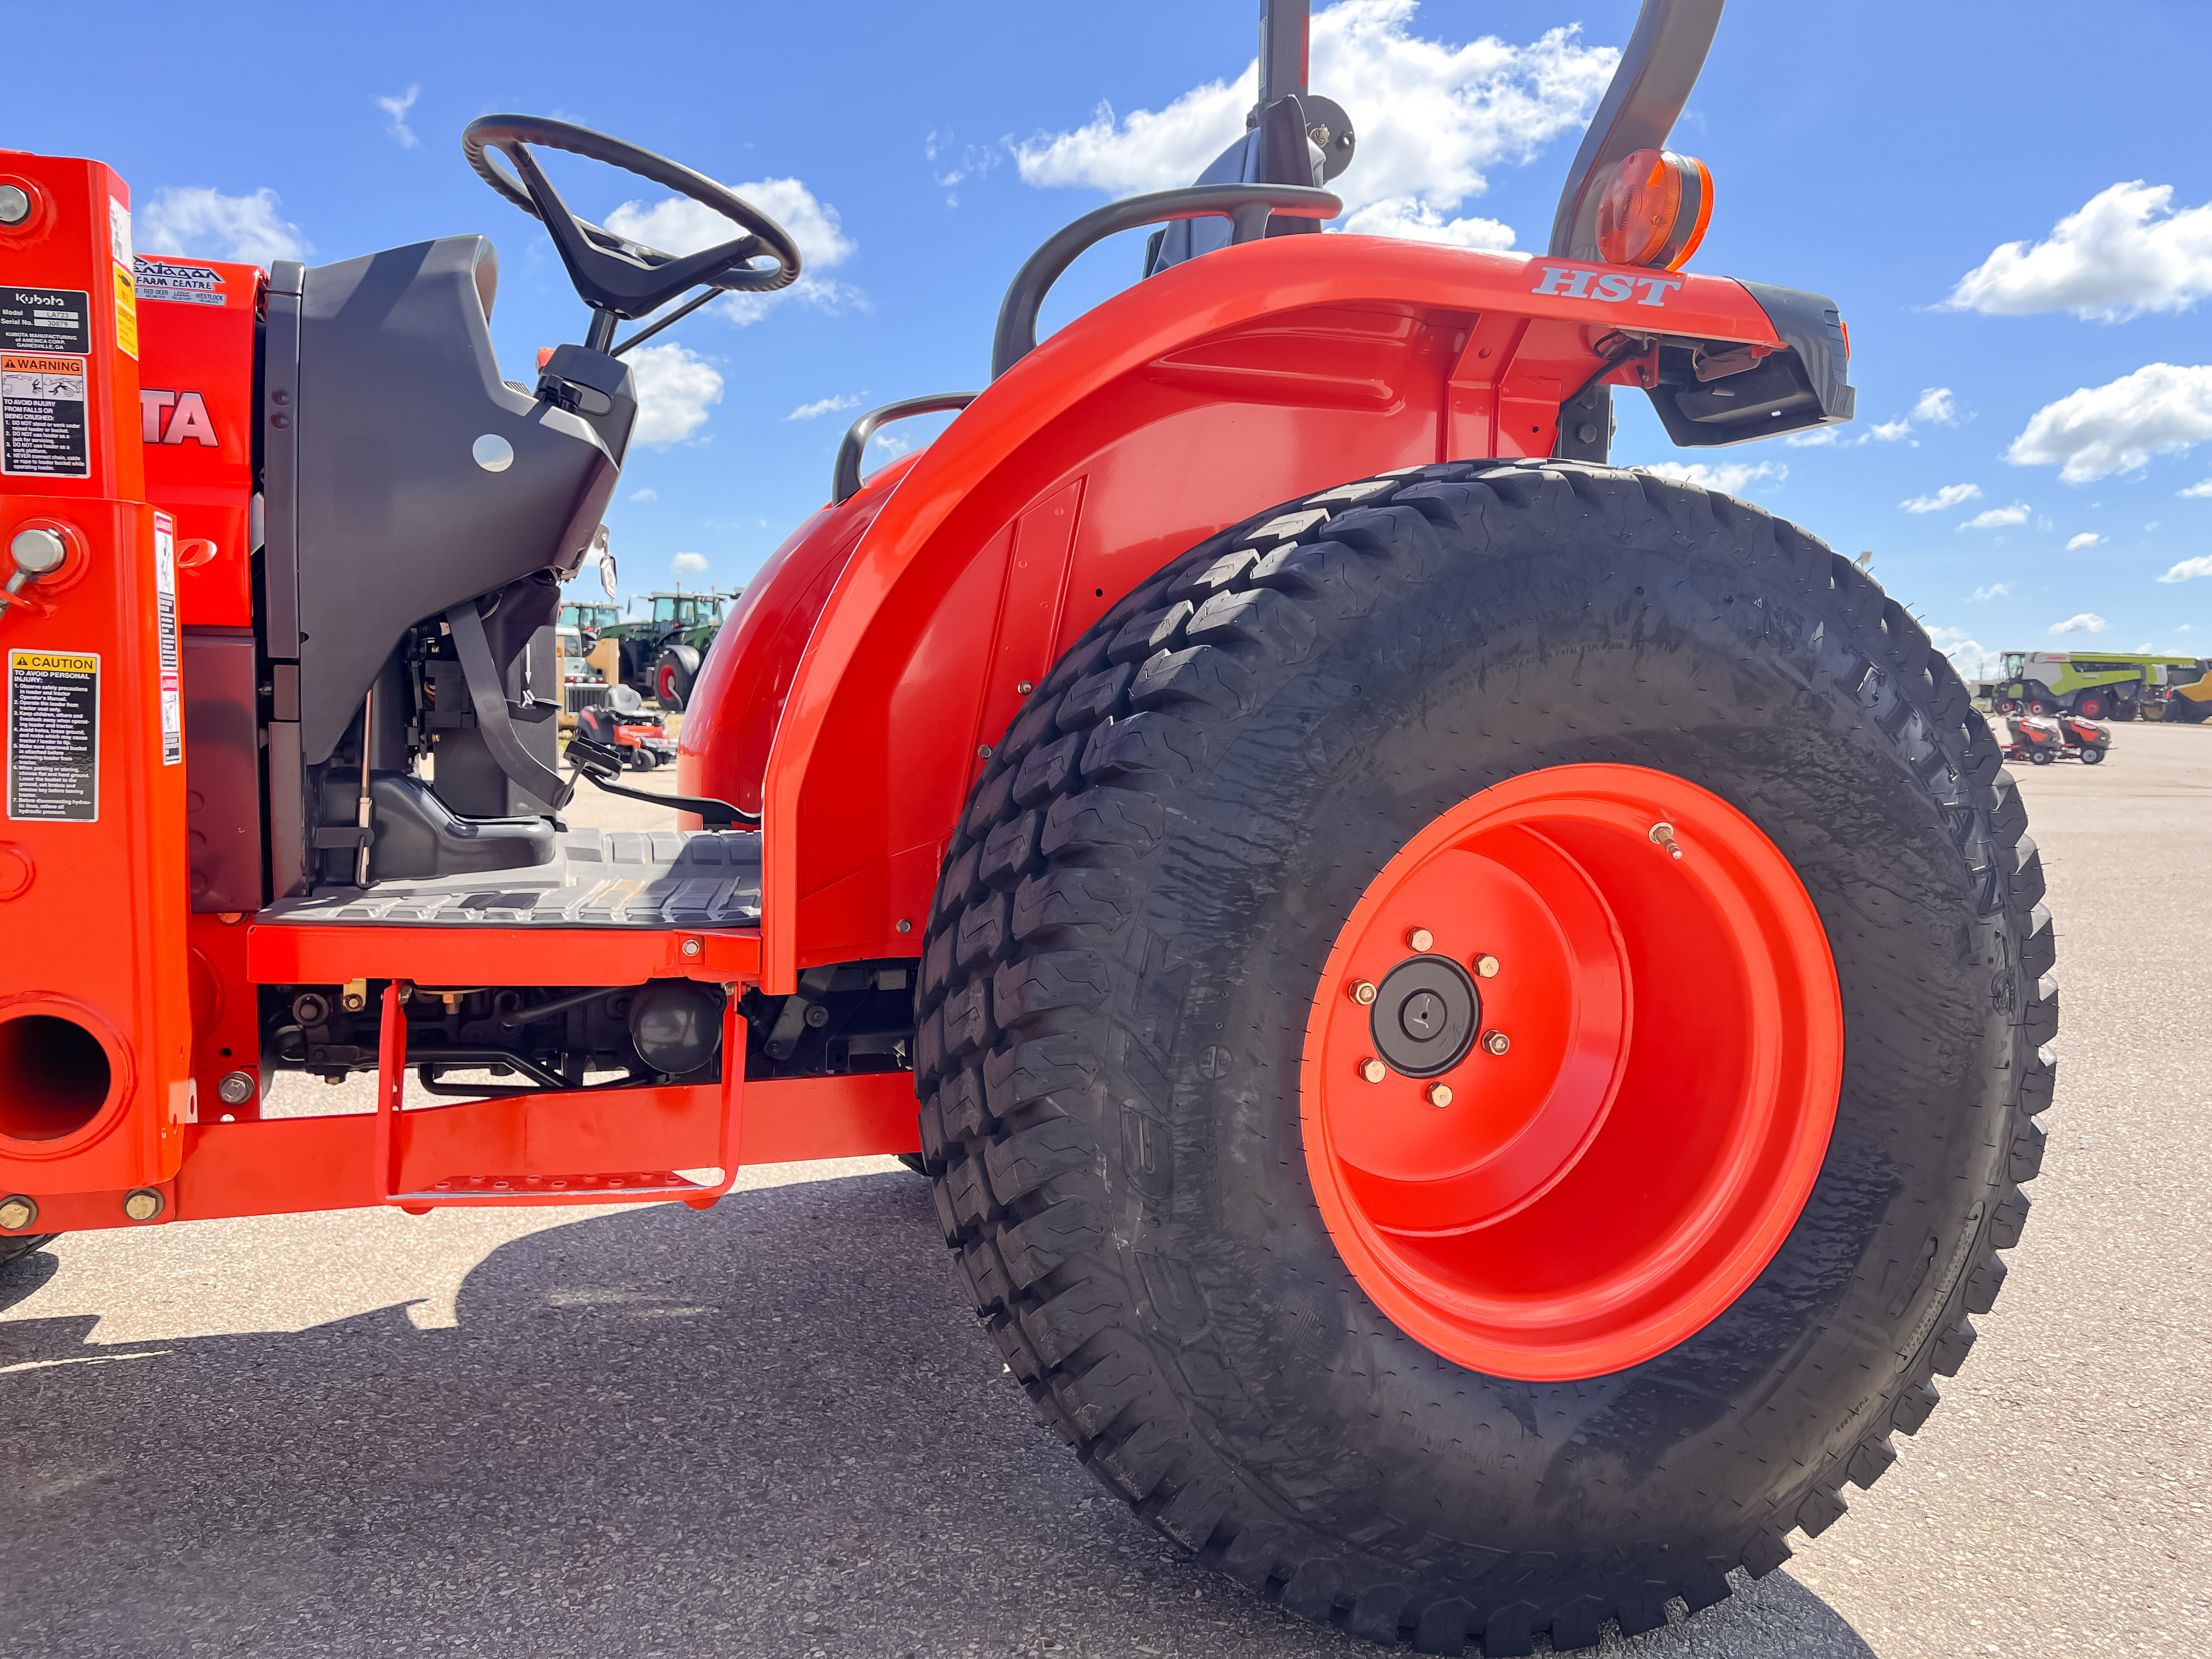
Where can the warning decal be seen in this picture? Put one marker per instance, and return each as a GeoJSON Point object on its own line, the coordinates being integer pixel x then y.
{"type": "Point", "coordinates": [165, 611]}
{"type": "Point", "coordinates": [53, 735]}
{"type": "Point", "coordinates": [43, 433]}
{"type": "Point", "coordinates": [179, 280]}
{"type": "Point", "coordinates": [45, 319]}
{"type": "Point", "coordinates": [126, 312]}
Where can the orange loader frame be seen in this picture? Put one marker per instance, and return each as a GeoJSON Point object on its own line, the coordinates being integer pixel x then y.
{"type": "Point", "coordinates": [852, 699]}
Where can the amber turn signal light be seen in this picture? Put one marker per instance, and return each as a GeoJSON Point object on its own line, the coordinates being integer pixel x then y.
{"type": "Point", "coordinates": [1654, 210]}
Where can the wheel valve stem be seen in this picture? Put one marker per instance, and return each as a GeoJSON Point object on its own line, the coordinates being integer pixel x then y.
{"type": "Point", "coordinates": [1664, 834]}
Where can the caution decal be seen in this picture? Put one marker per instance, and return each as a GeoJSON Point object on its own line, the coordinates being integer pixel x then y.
{"type": "Point", "coordinates": [43, 430]}
{"type": "Point", "coordinates": [165, 611]}
{"type": "Point", "coordinates": [126, 312]}
{"type": "Point", "coordinates": [53, 736]}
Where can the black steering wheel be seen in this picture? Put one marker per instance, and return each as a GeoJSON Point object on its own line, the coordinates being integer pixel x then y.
{"type": "Point", "coordinates": [615, 276]}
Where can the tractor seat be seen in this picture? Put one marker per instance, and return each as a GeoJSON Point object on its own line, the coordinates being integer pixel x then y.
{"type": "Point", "coordinates": [597, 879]}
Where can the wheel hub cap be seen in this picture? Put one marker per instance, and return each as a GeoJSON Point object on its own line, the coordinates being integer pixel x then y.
{"type": "Point", "coordinates": [1425, 1014]}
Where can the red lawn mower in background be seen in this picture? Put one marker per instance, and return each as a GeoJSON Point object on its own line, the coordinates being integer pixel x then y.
{"type": "Point", "coordinates": [1364, 893]}
{"type": "Point", "coordinates": [631, 734]}
{"type": "Point", "coordinates": [2040, 740]}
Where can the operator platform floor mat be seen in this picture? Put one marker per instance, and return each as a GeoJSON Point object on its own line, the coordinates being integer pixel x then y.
{"type": "Point", "coordinates": [601, 879]}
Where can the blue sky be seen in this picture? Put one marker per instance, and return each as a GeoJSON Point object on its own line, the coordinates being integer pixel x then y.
{"type": "Point", "coordinates": [1878, 152]}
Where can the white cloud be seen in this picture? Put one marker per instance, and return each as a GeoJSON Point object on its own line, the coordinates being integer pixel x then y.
{"type": "Point", "coordinates": [675, 387]}
{"type": "Point", "coordinates": [823, 406]}
{"type": "Point", "coordinates": [1728, 477]}
{"type": "Point", "coordinates": [1994, 591]}
{"type": "Point", "coordinates": [962, 163]}
{"type": "Point", "coordinates": [2118, 427]}
{"type": "Point", "coordinates": [2200, 489]}
{"type": "Point", "coordinates": [1973, 659]}
{"type": "Point", "coordinates": [1432, 118]}
{"type": "Point", "coordinates": [687, 564]}
{"type": "Point", "coordinates": [197, 220]}
{"type": "Point", "coordinates": [2088, 621]}
{"type": "Point", "coordinates": [1830, 437]}
{"type": "Point", "coordinates": [1416, 220]}
{"type": "Point", "coordinates": [2125, 252]}
{"type": "Point", "coordinates": [1936, 407]}
{"type": "Point", "coordinates": [2086, 538]}
{"type": "Point", "coordinates": [1944, 500]}
{"type": "Point", "coordinates": [1998, 517]}
{"type": "Point", "coordinates": [680, 225]}
{"type": "Point", "coordinates": [2188, 570]}
{"type": "Point", "coordinates": [396, 109]}
{"type": "Point", "coordinates": [648, 494]}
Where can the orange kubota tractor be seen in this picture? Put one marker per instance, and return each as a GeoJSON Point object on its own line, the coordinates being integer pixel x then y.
{"type": "Point", "coordinates": [1477, 1014]}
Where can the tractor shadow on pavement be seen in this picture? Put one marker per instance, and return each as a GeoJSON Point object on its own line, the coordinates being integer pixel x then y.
{"type": "Point", "coordinates": [771, 1429]}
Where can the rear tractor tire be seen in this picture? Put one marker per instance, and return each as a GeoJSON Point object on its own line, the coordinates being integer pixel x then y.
{"type": "Point", "coordinates": [668, 688]}
{"type": "Point", "coordinates": [1338, 1015]}
{"type": "Point", "coordinates": [674, 677]}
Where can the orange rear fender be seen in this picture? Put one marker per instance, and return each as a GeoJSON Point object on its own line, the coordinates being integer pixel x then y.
{"type": "Point", "coordinates": [1251, 376]}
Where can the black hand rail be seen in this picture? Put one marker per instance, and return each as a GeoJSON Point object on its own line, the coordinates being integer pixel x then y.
{"type": "Point", "coordinates": [1247, 206]}
{"type": "Point", "coordinates": [1665, 52]}
{"type": "Point", "coordinates": [845, 482]}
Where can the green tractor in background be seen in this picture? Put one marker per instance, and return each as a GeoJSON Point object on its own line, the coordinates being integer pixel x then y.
{"type": "Point", "coordinates": [2103, 688]}
{"type": "Point", "coordinates": [660, 653]}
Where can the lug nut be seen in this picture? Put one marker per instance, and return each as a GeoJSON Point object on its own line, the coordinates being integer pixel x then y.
{"type": "Point", "coordinates": [1440, 1094]}
{"type": "Point", "coordinates": [236, 1088]}
{"type": "Point", "coordinates": [1487, 966]}
{"type": "Point", "coordinates": [144, 1205]}
{"type": "Point", "coordinates": [1663, 835]}
{"type": "Point", "coordinates": [1372, 1070]}
{"type": "Point", "coordinates": [1363, 992]}
{"type": "Point", "coordinates": [1421, 938]}
{"type": "Point", "coordinates": [1496, 1043]}
{"type": "Point", "coordinates": [17, 1213]}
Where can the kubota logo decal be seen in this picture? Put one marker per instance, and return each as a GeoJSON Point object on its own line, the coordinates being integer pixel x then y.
{"type": "Point", "coordinates": [176, 417]}
{"type": "Point", "coordinates": [1610, 286]}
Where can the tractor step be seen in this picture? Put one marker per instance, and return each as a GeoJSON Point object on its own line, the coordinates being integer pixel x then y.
{"type": "Point", "coordinates": [599, 879]}
{"type": "Point", "coordinates": [506, 1190]}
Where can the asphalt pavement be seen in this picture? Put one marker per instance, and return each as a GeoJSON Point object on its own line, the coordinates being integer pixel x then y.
{"type": "Point", "coordinates": [773, 1428]}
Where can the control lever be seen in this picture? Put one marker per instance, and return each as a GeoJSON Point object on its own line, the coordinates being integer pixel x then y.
{"type": "Point", "coordinates": [598, 762]}
{"type": "Point", "coordinates": [37, 553]}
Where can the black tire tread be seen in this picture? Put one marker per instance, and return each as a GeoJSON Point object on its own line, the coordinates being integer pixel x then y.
{"type": "Point", "coordinates": [1031, 877]}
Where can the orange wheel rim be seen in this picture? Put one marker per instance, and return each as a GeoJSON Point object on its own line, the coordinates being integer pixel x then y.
{"type": "Point", "coordinates": [1571, 1071]}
